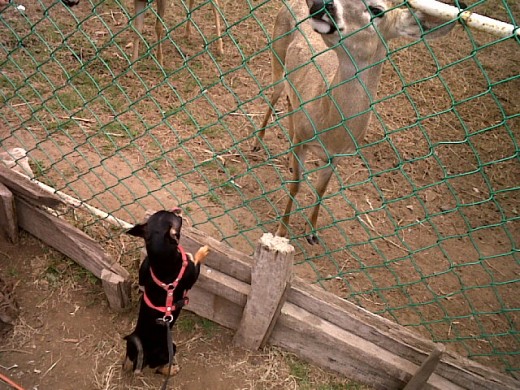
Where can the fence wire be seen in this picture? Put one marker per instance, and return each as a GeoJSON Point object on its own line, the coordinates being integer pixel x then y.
{"type": "Point", "coordinates": [420, 224]}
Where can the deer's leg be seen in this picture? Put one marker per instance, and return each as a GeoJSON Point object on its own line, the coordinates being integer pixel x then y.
{"type": "Point", "coordinates": [188, 24]}
{"type": "Point", "coordinates": [278, 89]}
{"type": "Point", "coordinates": [159, 30]}
{"type": "Point", "coordinates": [138, 26]}
{"type": "Point", "coordinates": [297, 162]}
{"type": "Point", "coordinates": [220, 44]}
{"type": "Point", "coordinates": [277, 75]}
{"type": "Point", "coordinates": [321, 186]}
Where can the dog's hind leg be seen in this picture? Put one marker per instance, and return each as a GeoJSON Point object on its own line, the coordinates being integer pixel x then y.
{"type": "Point", "coordinates": [134, 354]}
{"type": "Point", "coordinates": [201, 255]}
{"type": "Point", "coordinates": [174, 369]}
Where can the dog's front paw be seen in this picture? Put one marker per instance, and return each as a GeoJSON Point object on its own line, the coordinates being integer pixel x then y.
{"type": "Point", "coordinates": [163, 370]}
{"type": "Point", "coordinates": [201, 254]}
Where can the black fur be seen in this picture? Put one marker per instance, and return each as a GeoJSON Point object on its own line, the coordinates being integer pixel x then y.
{"type": "Point", "coordinates": [71, 3]}
{"type": "Point", "coordinates": [165, 259]}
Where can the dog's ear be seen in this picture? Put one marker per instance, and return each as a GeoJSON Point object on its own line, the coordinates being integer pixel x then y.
{"type": "Point", "coordinates": [148, 213]}
{"type": "Point", "coordinates": [138, 230]}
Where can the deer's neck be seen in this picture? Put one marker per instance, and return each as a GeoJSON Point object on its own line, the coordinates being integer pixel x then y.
{"type": "Point", "coordinates": [354, 85]}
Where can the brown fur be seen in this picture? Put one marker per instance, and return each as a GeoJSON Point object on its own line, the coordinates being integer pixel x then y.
{"type": "Point", "coordinates": [352, 71]}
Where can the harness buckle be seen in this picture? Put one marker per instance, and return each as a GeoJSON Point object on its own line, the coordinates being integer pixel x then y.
{"type": "Point", "coordinates": [166, 319]}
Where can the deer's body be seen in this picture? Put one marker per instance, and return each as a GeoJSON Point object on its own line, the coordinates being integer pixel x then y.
{"type": "Point", "coordinates": [330, 91]}
{"type": "Point", "coordinates": [139, 6]}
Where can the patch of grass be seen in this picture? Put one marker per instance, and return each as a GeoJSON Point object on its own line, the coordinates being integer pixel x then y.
{"type": "Point", "coordinates": [213, 131]}
{"type": "Point", "coordinates": [69, 100]}
{"type": "Point", "coordinates": [116, 129]}
{"type": "Point", "coordinates": [38, 167]}
{"type": "Point", "coordinates": [61, 125]}
{"type": "Point", "coordinates": [186, 323]}
{"type": "Point", "coordinates": [13, 272]}
{"type": "Point", "coordinates": [190, 322]}
{"type": "Point", "coordinates": [208, 326]}
{"type": "Point", "coordinates": [299, 370]}
{"type": "Point", "coordinates": [214, 198]}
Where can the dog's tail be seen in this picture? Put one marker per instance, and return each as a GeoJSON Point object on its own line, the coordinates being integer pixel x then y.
{"type": "Point", "coordinates": [138, 362]}
{"type": "Point", "coordinates": [201, 255]}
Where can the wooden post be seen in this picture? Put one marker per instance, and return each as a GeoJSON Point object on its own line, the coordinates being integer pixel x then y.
{"type": "Point", "coordinates": [117, 290]}
{"type": "Point", "coordinates": [424, 372]}
{"type": "Point", "coordinates": [79, 247]}
{"type": "Point", "coordinates": [8, 221]}
{"type": "Point", "coordinates": [270, 280]}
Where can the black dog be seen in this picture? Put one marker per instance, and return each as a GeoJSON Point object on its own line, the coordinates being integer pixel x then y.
{"type": "Point", "coordinates": [165, 269]}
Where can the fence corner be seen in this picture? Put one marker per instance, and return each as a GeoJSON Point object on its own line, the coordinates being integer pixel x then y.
{"type": "Point", "coordinates": [270, 278]}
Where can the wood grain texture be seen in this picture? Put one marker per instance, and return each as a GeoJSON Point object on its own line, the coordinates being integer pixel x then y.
{"type": "Point", "coordinates": [330, 346]}
{"type": "Point", "coordinates": [270, 277]}
{"type": "Point", "coordinates": [21, 185]}
{"type": "Point", "coordinates": [8, 219]}
{"type": "Point", "coordinates": [117, 290]}
{"type": "Point", "coordinates": [222, 257]}
{"type": "Point", "coordinates": [421, 376]}
{"type": "Point", "coordinates": [393, 337]}
{"type": "Point", "coordinates": [66, 239]}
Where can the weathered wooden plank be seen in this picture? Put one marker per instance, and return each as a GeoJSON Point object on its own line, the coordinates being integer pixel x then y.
{"type": "Point", "coordinates": [23, 186]}
{"type": "Point", "coordinates": [117, 290]}
{"type": "Point", "coordinates": [269, 279]}
{"type": "Point", "coordinates": [393, 337]}
{"type": "Point", "coordinates": [8, 220]}
{"type": "Point", "coordinates": [223, 285]}
{"type": "Point", "coordinates": [330, 346]}
{"type": "Point", "coordinates": [421, 376]}
{"type": "Point", "coordinates": [67, 239]}
{"type": "Point", "coordinates": [222, 257]}
{"type": "Point", "coordinates": [16, 159]}
{"type": "Point", "coordinates": [213, 307]}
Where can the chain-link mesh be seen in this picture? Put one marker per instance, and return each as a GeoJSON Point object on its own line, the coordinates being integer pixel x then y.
{"type": "Point", "coordinates": [420, 224]}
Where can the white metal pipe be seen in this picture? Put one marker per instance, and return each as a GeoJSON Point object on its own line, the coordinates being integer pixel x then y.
{"type": "Point", "coordinates": [479, 22]}
{"type": "Point", "coordinates": [80, 204]}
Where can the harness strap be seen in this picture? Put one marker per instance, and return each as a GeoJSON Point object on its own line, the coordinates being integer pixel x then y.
{"type": "Point", "coordinates": [170, 306]}
{"type": "Point", "coordinates": [170, 356]}
{"type": "Point", "coordinates": [164, 309]}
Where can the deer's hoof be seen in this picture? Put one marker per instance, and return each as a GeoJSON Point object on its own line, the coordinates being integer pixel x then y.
{"type": "Point", "coordinates": [312, 239]}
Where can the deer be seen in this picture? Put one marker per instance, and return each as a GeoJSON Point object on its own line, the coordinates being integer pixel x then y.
{"type": "Point", "coordinates": [139, 6]}
{"type": "Point", "coordinates": [327, 59]}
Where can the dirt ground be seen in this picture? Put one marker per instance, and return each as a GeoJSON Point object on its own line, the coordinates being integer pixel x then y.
{"type": "Point", "coordinates": [67, 338]}
{"type": "Point", "coordinates": [420, 226]}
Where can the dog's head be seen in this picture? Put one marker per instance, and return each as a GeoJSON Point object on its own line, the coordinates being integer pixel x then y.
{"type": "Point", "coordinates": [161, 231]}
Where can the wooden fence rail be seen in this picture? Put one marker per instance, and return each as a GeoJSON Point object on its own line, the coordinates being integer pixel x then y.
{"type": "Point", "coordinates": [260, 299]}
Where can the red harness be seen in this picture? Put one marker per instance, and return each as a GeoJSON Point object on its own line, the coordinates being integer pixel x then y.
{"type": "Point", "coordinates": [170, 306]}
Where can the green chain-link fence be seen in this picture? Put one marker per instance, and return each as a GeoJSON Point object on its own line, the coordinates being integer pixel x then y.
{"type": "Point", "coordinates": [420, 225]}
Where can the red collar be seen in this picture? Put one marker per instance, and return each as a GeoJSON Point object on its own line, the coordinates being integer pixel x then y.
{"type": "Point", "coordinates": [170, 306]}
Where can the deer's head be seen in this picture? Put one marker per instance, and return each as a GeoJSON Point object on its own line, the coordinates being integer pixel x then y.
{"type": "Point", "coordinates": [363, 26]}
